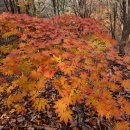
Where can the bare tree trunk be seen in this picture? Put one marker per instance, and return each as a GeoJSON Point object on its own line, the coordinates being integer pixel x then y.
{"type": "Point", "coordinates": [112, 10]}
{"type": "Point", "coordinates": [83, 8]}
{"type": "Point", "coordinates": [6, 5]}
{"type": "Point", "coordinates": [63, 6]}
{"type": "Point", "coordinates": [125, 32]}
{"type": "Point", "coordinates": [115, 19]}
{"type": "Point", "coordinates": [54, 6]}
{"type": "Point", "coordinates": [18, 8]}
{"type": "Point", "coordinates": [34, 7]}
{"type": "Point", "coordinates": [126, 27]}
{"type": "Point", "coordinates": [14, 6]}
{"type": "Point", "coordinates": [74, 7]}
{"type": "Point", "coordinates": [11, 6]}
{"type": "Point", "coordinates": [129, 16]}
{"type": "Point", "coordinates": [58, 7]}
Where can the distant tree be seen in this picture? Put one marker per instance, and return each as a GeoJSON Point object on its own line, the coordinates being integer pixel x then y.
{"type": "Point", "coordinates": [34, 7]}
{"type": "Point", "coordinates": [16, 6]}
{"type": "Point", "coordinates": [54, 6]}
{"type": "Point", "coordinates": [112, 12]}
{"type": "Point", "coordinates": [6, 5]}
{"type": "Point", "coordinates": [126, 20]}
{"type": "Point", "coordinates": [59, 6]}
{"type": "Point", "coordinates": [11, 4]}
{"type": "Point", "coordinates": [83, 8]}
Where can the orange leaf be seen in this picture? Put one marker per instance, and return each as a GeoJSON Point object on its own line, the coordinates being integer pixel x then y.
{"type": "Point", "coordinates": [126, 84]}
{"type": "Point", "coordinates": [63, 110]}
{"type": "Point", "coordinates": [122, 126]}
{"type": "Point", "coordinates": [39, 104]}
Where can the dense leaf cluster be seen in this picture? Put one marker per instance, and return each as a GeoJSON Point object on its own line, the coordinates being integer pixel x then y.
{"type": "Point", "coordinates": [72, 53]}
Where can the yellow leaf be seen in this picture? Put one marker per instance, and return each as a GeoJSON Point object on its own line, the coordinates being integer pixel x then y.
{"type": "Point", "coordinates": [75, 96]}
{"type": "Point", "coordinates": [68, 70]}
{"type": "Point", "coordinates": [22, 45]}
{"type": "Point", "coordinates": [9, 72]}
{"type": "Point", "coordinates": [33, 94]}
{"type": "Point", "coordinates": [39, 104]}
{"type": "Point", "coordinates": [63, 111]}
{"type": "Point", "coordinates": [1, 89]}
{"type": "Point", "coordinates": [20, 82]}
{"type": "Point", "coordinates": [8, 34]}
{"type": "Point", "coordinates": [10, 88]}
{"type": "Point", "coordinates": [40, 84]}
{"type": "Point", "coordinates": [19, 108]}
{"type": "Point", "coordinates": [57, 59]}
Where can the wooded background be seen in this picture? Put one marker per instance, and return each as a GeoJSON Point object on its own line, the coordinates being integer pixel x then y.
{"type": "Point", "coordinates": [113, 14]}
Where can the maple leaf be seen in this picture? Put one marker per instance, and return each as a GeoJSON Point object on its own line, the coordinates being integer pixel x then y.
{"type": "Point", "coordinates": [39, 104]}
{"type": "Point", "coordinates": [63, 110]}
{"type": "Point", "coordinates": [8, 72]}
{"type": "Point", "coordinates": [34, 75]}
{"type": "Point", "coordinates": [57, 59]}
{"type": "Point", "coordinates": [125, 105]}
{"type": "Point", "coordinates": [20, 81]}
{"type": "Point", "coordinates": [8, 34]}
{"type": "Point", "coordinates": [40, 84]}
{"type": "Point", "coordinates": [1, 89]}
{"type": "Point", "coordinates": [49, 73]}
{"type": "Point", "coordinates": [102, 110]}
{"type": "Point", "coordinates": [113, 87]}
{"type": "Point", "coordinates": [126, 84]}
{"type": "Point", "coordinates": [62, 65]}
{"type": "Point", "coordinates": [14, 98]}
{"type": "Point", "coordinates": [75, 96]}
{"type": "Point", "coordinates": [122, 126]}
{"type": "Point", "coordinates": [20, 109]}
{"type": "Point", "coordinates": [68, 70]}
{"type": "Point", "coordinates": [34, 94]}
{"type": "Point", "coordinates": [62, 86]}
{"type": "Point", "coordinates": [10, 88]}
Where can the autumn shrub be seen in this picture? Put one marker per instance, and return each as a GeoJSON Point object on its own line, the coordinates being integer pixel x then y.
{"type": "Point", "coordinates": [74, 55]}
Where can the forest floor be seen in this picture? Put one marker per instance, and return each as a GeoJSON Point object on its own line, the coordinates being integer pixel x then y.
{"type": "Point", "coordinates": [84, 118]}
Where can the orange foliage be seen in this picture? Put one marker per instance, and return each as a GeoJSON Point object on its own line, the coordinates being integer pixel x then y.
{"type": "Point", "coordinates": [74, 53]}
{"type": "Point", "coordinates": [122, 126]}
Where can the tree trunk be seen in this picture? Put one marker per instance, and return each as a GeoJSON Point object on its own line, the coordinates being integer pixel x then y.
{"type": "Point", "coordinates": [11, 6]}
{"type": "Point", "coordinates": [34, 7]}
{"type": "Point", "coordinates": [126, 27]}
{"type": "Point", "coordinates": [114, 19]}
{"type": "Point", "coordinates": [126, 22]}
{"type": "Point", "coordinates": [54, 6]}
{"type": "Point", "coordinates": [18, 8]}
{"type": "Point", "coordinates": [6, 5]}
{"type": "Point", "coordinates": [112, 10]}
